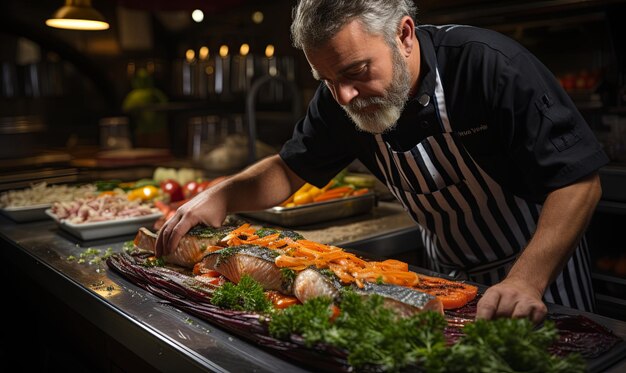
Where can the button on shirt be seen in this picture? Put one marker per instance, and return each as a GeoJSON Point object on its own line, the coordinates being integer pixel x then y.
{"type": "Point", "coordinates": [509, 111]}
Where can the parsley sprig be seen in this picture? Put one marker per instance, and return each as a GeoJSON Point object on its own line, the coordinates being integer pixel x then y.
{"type": "Point", "coordinates": [375, 336]}
{"type": "Point", "coordinates": [247, 295]}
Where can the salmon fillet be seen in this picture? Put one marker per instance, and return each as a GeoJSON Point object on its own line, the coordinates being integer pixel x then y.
{"type": "Point", "coordinates": [192, 247]}
{"type": "Point", "coordinates": [255, 261]}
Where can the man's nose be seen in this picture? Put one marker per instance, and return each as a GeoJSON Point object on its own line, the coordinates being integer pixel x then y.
{"type": "Point", "coordinates": [345, 93]}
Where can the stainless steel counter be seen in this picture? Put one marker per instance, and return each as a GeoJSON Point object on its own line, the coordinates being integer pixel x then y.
{"type": "Point", "coordinates": [166, 338]}
{"type": "Point", "coordinates": [163, 336]}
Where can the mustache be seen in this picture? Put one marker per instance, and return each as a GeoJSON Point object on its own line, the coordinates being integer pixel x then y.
{"type": "Point", "coordinates": [359, 103]}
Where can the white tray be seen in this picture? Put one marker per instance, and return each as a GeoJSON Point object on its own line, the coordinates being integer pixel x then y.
{"type": "Point", "coordinates": [103, 229]}
{"type": "Point", "coordinates": [26, 213]}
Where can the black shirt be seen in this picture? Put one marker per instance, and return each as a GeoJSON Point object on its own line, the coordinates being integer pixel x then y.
{"type": "Point", "coordinates": [511, 114]}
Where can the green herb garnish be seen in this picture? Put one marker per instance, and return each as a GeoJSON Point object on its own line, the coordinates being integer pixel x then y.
{"type": "Point", "coordinates": [509, 345]}
{"type": "Point", "coordinates": [288, 276]}
{"type": "Point", "coordinates": [106, 185]}
{"type": "Point", "coordinates": [203, 231]}
{"type": "Point", "coordinates": [91, 256]}
{"type": "Point", "coordinates": [263, 232]}
{"type": "Point", "coordinates": [247, 295]}
{"type": "Point", "coordinates": [291, 234]}
{"type": "Point", "coordinates": [328, 273]}
{"type": "Point", "coordinates": [226, 253]}
{"type": "Point", "coordinates": [312, 320]}
{"type": "Point", "coordinates": [155, 262]}
{"type": "Point", "coordinates": [129, 247]}
{"type": "Point", "coordinates": [377, 336]}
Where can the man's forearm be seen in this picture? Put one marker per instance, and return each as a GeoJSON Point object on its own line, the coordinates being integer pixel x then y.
{"type": "Point", "coordinates": [265, 184]}
{"type": "Point", "coordinates": [564, 217]}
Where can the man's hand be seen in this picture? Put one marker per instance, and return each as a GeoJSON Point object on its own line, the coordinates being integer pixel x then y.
{"type": "Point", "coordinates": [564, 216]}
{"type": "Point", "coordinates": [204, 208]}
{"type": "Point", "coordinates": [512, 298]}
{"type": "Point", "coordinates": [262, 185]}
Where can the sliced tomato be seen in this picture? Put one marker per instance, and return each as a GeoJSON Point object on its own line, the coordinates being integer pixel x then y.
{"type": "Point", "coordinates": [453, 294]}
{"type": "Point", "coordinates": [452, 299]}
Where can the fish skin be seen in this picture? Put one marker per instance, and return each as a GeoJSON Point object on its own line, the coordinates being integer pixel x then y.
{"type": "Point", "coordinates": [402, 299]}
{"type": "Point", "coordinates": [258, 262]}
{"type": "Point", "coordinates": [192, 247]}
{"type": "Point", "coordinates": [312, 283]}
{"type": "Point", "coordinates": [282, 233]}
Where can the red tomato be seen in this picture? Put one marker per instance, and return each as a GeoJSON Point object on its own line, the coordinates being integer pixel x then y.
{"type": "Point", "coordinates": [173, 188]}
{"type": "Point", "coordinates": [190, 189]}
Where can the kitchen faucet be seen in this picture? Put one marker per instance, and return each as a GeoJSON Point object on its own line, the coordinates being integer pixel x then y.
{"type": "Point", "coordinates": [251, 107]}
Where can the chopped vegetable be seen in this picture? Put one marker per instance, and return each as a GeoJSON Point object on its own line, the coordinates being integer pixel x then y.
{"type": "Point", "coordinates": [144, 193]}
{"type": "Point", "coordinates": [107, 185]}
{"type": "Point", "coordinates": [153, 261]}
{"type": "Point", "coordinates": [360, 180]}
{"type": "Point", "coordinates": [173, 188]}
{"type": "Point", "coordinates": [91, 256]}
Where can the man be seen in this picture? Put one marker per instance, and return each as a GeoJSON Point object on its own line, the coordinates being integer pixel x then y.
{"type": "Point", "coordinates": [468, 130]}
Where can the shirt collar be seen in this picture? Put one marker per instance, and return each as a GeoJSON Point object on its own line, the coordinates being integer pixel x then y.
{"type": "Point", "coordinates": [428, 64]}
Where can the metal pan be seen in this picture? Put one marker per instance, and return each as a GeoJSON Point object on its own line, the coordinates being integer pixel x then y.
{"type": "Point", "coordinates": [315, 212]}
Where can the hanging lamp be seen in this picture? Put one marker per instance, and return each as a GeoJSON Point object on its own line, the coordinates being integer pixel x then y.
{"type": "Point", "coordinates": [78, 15]}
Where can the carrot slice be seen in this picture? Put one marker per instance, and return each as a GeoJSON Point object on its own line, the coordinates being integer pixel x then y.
{"type": "Point", "coordinates": [328, 196]}
{"type": "Point", "coordinates": [341, 189]}
{"type": "Point", "coordinates": [359, 192]}
{"type": "Point", "coordinates": [290, 261]}
{"type": "Point", "coordinates": [333, 193]}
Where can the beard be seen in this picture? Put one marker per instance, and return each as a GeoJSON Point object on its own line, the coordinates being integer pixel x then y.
{"type": "Point", "coordinates": [380, 114]}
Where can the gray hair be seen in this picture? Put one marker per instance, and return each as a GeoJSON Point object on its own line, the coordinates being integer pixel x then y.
{"type": "Point", "coordinates": [316, 21]}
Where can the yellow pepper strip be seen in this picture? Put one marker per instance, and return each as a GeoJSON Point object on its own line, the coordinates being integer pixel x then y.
{"type": "Point", "coordinates": [145, 193]}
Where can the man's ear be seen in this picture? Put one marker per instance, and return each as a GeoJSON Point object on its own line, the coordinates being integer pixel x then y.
{"type": "Point", "coordinates": [406, 34]}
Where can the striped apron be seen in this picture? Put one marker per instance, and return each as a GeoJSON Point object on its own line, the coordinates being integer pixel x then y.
{"type": "Point", "coordinates": [471, 227]}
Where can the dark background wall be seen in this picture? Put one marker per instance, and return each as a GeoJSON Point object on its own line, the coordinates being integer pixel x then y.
{"type": "Point", "coordinates": [86, 75]}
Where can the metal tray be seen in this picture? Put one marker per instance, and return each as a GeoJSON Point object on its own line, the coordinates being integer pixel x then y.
{"type": "Point", "coordinates": [108, 228]}
{"type": "Point", "coordinates": [315, 212]}
{"type": "Point", "coordinates": [24, 214]}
